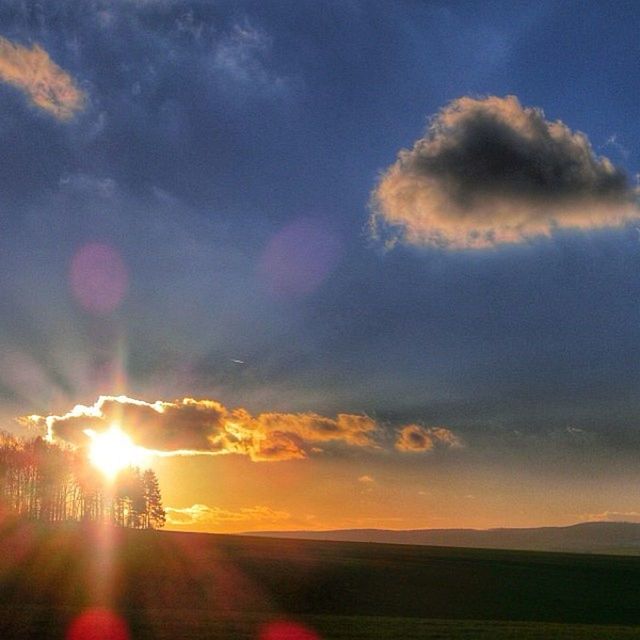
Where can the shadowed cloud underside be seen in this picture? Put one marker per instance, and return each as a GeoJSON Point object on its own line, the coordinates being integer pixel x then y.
{"type": "Point", "coordinates": [489, 171]}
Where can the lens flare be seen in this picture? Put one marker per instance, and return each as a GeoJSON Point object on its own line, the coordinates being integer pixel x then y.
{"type": "Point", "coordinates": [98, 278]}
{"type": "Point", "coordinates": [299, 258]}
{"type": "Point", "coordinates": [98, 624]}
{"type": "Point", "coordinates": [287, 630]}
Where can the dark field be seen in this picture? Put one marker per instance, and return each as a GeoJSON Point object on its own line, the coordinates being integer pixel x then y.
{"type": "Point", "coordinates": [181, 585]}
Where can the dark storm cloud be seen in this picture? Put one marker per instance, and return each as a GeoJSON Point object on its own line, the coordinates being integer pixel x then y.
{"type": "Point", "coordinates": [489, 171]}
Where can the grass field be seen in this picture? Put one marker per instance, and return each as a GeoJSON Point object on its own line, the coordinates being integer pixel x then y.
{"type": "Point", "coordinates": [47, 623]}
{"type": "Point", "coordinates": [180, 585]}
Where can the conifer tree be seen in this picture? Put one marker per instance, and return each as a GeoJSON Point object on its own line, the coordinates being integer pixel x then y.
{"type": "Point", "coordinates": [156, 516]}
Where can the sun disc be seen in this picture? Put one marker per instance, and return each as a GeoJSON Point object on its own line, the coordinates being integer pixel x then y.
{"type": "Point", "coordinates": [113, 450]}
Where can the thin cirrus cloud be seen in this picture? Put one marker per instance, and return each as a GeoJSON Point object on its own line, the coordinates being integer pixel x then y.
{"type": "Point", "coordinates": [47, 86]}
{"type": "Point", "coordinates": [416, 438]}
{"type": "Point", "coordinates": [190, 427]}
{"type": "Point", "coordinates": [490, 172]}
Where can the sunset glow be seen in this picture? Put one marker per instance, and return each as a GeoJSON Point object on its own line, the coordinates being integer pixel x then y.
{"type": "Point", "coordinates": [325, 265]}
{"type": "Point", "coordinates": [113, 450]}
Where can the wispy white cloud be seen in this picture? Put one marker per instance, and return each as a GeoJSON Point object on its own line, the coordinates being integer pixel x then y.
{"type": "Point", "coordinates": [242, 56]}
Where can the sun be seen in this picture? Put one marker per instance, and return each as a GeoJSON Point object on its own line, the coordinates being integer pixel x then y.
{"type": "Point", "coordinates": [113, 450]}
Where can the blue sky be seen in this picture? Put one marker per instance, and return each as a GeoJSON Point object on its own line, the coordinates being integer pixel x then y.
{"type": "Point", "coordinates": [228, 155]}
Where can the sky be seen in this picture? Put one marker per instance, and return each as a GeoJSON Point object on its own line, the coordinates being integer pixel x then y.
{"type": "Point", "coordinates": [331, 264]}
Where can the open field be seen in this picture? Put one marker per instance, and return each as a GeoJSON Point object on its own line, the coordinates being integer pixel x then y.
{"type": "Point", "coordinates": [193, 625]}
{"type": "Point", "coordinates": [173, 585]}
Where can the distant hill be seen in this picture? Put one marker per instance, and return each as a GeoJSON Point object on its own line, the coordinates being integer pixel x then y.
{"type": "Point", "coordinates": [587, 537]}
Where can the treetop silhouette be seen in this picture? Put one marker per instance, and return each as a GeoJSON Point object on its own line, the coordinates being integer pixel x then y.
{"type": "Point", "coordinates": [50, 482]}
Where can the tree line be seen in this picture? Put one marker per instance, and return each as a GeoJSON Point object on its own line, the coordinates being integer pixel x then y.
{"type": "Point", "coordinates": [50, 482]}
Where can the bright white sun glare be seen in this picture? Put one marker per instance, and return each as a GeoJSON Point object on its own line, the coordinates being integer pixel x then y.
{"type": "Point", "coordinates": [113, 450]}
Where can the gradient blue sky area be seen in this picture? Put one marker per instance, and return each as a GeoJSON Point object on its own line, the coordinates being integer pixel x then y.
{"type": "Point", "coordinates": [227, 152]}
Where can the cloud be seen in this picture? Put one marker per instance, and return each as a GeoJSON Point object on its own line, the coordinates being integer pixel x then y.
{"type": "Point", "coordinates": [352, 429]}
{"type": "Point", "coordinates": [366, 479]}
{"type": "Point", "coordinates": [164, 426]}
{"type": "Point", "coordinates": [207, 427]}
{"type": "Point", "coordinates": [47, 85]}
{"type": "Point", "coordinates": [610, 516]}
{"type": "Point", "coordinates": [242, 56]}
{"type": "Point", "coordinates": [203, 514]}
{"type": "Point", "coordinates": [489, 171]}
{"type": "Point", "coordinates": [416, 438]}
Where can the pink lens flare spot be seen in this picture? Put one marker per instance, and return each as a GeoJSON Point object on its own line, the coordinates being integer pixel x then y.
{"type": "Point", "coordinates": [98, 278]}
{"type": "Point", "coordinates": [98, 624]}
{"type": "Point", "coordinates": [299, 257]}
{"type": "Point", "coordinates": [286, 630]}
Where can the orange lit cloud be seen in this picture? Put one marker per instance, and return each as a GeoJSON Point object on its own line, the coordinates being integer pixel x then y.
{"type": "Point", "coordinates": [203, 514]}
{"type": "Point", "coordinates": [488, 172]}
{"type": "Point", "coordinates": [47, 85]}
{"type": "Point", "coordinates": [351, 429]}
{"type": "Point", "coordinates": [414, 437]}
{"type": "Point", "coordinates": [206, 427]}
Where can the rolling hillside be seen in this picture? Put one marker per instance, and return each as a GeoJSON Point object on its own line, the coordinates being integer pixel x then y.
{"type": "Point", "coordinates": [589, 537]}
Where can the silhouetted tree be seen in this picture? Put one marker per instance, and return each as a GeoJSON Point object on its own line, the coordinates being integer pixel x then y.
{"type": "Point", "coordinates": [129, 506]}
{"type": "Point", "coordinates": [49, 482]}
{"type": "Point", "coordinates": [155, 513]}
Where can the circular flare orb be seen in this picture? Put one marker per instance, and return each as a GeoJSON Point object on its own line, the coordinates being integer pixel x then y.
{"type": "Point", "coordinates": [98, 624]}
{"type": "Point", "coordinates": [98, 278]}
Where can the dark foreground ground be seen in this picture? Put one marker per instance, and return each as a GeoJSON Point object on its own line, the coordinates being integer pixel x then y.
{"type": "Point", "coordinates": [180, 585]}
